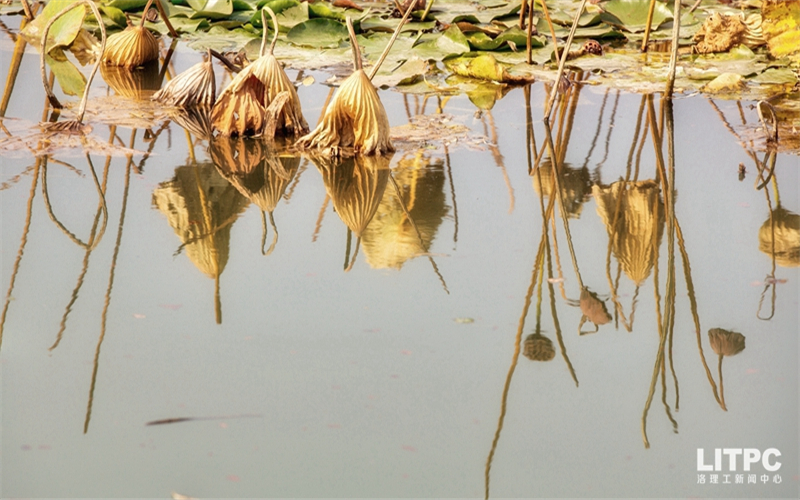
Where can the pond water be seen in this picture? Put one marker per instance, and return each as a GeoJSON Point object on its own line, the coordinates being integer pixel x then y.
{"type": "Point", "coordinates": [406, 327]}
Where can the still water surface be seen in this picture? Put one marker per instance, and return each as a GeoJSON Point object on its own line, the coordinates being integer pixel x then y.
{"type": "Point", "coordinates": [364, 329]}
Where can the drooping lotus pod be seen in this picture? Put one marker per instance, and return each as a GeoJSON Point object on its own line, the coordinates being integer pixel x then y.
{"type": "Point", "coordinates": [194, 87]}
{"type": "Point", "coordinates": [355, 119]}
{"type": "Point", "coordinates": [132, 47]}
{"type": "Point", "coordinates": [242, 106]}
{"type": "Point", "coordinates": [239, 111]}
{"type": "Point", "coordinates": [537, 347]}
{"type": "Point", "coordinates": [779, 236]}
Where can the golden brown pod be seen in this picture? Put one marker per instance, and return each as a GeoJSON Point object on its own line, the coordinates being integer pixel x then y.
{"type": "Point", "coordinates": [355, 119]}
{"type": "Point", "coordinates": [130, 48]}
{"type": "Point", "coordinates": [194, 87]}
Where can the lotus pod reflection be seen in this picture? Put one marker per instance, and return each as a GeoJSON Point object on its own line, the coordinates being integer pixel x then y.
{"type": "Point", "coordinates": [356, 186]}
{"type": "Point", "coordinates": [196, 120]}
{"type": "Point", "coordinates": [194, 87]}
{"type": "Point", "coordinates": [256, 172]}
{"type": "Point", "coordinates": [593, 309]}
{"type": "Point", "coordinates": [539, 348]}
{"type": "Point", "coordinates": [133, 83]}
{"type": "Point", "coordinates": [391, 239]}
{"type": "Point", "coordinates": [779, 236]}
{"type": "Point", "coordinates": [725, 343]}
{"type": "Point", "coordinates": [130, 48]}
{"type": "Point", "coordinates": [355, 119]}
{"type": "Point", "coordinates": [576, 185]}
{"type": "Point", "coordinates": [633, 213]}
{"type": "Point", "coordinates": [201, 207]}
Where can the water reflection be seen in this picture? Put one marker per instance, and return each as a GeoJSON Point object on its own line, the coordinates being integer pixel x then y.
{"type": "Point", "coordinates": [391, 239]}
{"type": "Point", "coordinates": [258, 173]}
{"type": "Point", "coordinates": [133, 83]}
{"type": "Point", "coordinates": [201, 206]}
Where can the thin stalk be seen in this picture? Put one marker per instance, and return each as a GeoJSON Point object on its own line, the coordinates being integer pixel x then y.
{"type": "Point", "coordinates": [51, 97]}
{"type": "Point", "coordinates": [647, 28]}
{"type": "Point", "coordinates": [388, 47]}
{"type": "Point", "coordinates": [673, 58]}
{"type": "Point", "coordinates": [552, 30]}
{"type": "Point", "coordinates": [104, 316]}
{"type": "Point", "coordinates": [563, 61]}
{"type": "Point", "coordinates": [354, 44]}
{"type": "Point", "coordinates": [165, 18]}
{"type": "Point", "coordinates": [23, 241]}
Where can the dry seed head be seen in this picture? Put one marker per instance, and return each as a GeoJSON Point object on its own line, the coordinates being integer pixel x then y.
{"type": "Point", "coordinates": [354, 119]}
{"type": "Point", "coordinates": [239, 111]}
{"type": "Point", "coordinates": [194, 87]}
{"type": "Point", "coordinates": [726, 343]}
{"type": "Point", "coordinates": [290, 119]}
{"type": "Point", "coordinates": [539, 348]}
{"type": "Point", "coordinates": [132, 47]}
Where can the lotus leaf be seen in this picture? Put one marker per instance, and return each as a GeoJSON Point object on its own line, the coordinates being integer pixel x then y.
{"type": "Point", "coordinates": [211, 9]}
{"type": "Point", "coordinates": [70, 79]}
{"type": "Point", "coordinates": [63, 31]}
{"type": "Point", "coordinates": [406, 74]}
{"type": "Point", "coordinates": [631, 15]}
{"type": "Point", "coordinates": [448, 44]}
{"type": "Point", "coordinates": [318, 32]}
{"type": "Point", "coordinates": [781, 27]}
{"type": "Point", "coordinates": [481, 41]}
{"type": "Point", "coordinates": [377, 23]}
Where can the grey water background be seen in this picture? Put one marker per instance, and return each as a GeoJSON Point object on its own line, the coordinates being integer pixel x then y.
{"type": "Point", "coordinates": [376, 382]}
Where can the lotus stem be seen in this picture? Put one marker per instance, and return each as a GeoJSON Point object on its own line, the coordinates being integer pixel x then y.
{"type": "Point", "coordinates": [673, 58]}
{"type": "Point", "coordinates": [550, 25]}
{"type": "Point", "coordinates": [50, 96]}
{"type": "Point", "coordinates": [647, 25]}
{"type": "Point", "coordinates": [262, 52]}
{"type": "Point", "coordinates": [563, 61]}
{"type": "Point", "coordinates": [165, 18]}
{"type": "Point", "coordinates": [388, 45]}
{"type": "Point", "coordinates": [224, 60]}
{"type": "Point", "coordinates": [427, 10]}
{"type": "Point", "coordinates": [354, 44]}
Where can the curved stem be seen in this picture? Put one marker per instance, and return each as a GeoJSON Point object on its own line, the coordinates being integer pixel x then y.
{"type": "Point", "coordinates": [386, 50]}
{"type": "Point", "coordinates": [354, 44]}
{"type": "Point", "coordinates": [51, 97]}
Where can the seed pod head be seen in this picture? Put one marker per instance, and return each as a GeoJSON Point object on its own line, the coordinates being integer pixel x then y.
{"type": "Point", "coordinates": [355, 119]}
{"type": "Point", "coordinates": [726, 343]}
{"type": "Point", "coordinates": [239, 111]}
{"type": "Point", "coordinates": [782, 240]}
{"type": "Point", "coordinates": [194, 87]}
{"type": "Point", "coordinates": [290, 121]}
{"type": "Point", "coordinates": [538, 348]}
{"type": "Point", "coordinates": [132, 47]}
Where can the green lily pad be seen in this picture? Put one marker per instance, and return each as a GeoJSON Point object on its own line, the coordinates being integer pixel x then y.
{"type": "Point", "coordinates": [377, 23]}
{"type": "Point", "coordinates": [326, 10]}
{"type": "Point", "coordinates": [70, 79]}
{"type": "Point", "coordinates": [406, 74]}
{"type": "Point", "coordinates": [127, 5]}
{"type": "Point", "coordinates": [291, 17]}
{"type": "Point", "coordinates": [450, 11]}
{"type": "Point", "coordinates": [776, 76]}
{"type": "Point", "coordinates": [181, 25]}
{"type": "Point", "coordinates": [631, 15]}
{"type": "Point", "coordinates": [222, 40]}
{"type": "Point", "coordinates": [318, 32]}
{"type": "Point", "coordinates": [63, 32]}
{"type": "Point", "coordinates": [443, 45]}
{"type": "Point", "coordinates": [481, 41]}
{"type": "Point", "coordinates": [539, 56]}
{"type": "Point", "coordinates": [114, 14]}
{"type": "Point", "coordinates": [211, 9]}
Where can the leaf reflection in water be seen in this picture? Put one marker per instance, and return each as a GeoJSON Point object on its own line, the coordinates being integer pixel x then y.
{"type": "Point", "coordinates": [201, 206]}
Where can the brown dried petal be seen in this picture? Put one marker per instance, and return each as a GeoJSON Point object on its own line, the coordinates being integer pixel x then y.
{"type": "Point", "coordinates": [355, 119]}
{"type": "Point", "coordinates": [726, 343]}
{"type": "Point", "coordinates": [594, 308]}
{"type": "Point", "coordinates": [132, 47]}
{"type": "Point", "coordinates": [194, 87]}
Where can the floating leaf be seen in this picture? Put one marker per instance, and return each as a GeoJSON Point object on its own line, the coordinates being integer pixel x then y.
{"type": "Point", "coordinates": [448, 44]}
{"type": "Point", "coordinates": [481, 41]}
{"type": "Point", "coordinates": [407, 73]}
{"type": "Point", "coordinates": [725, 81]}
{"type": "Point", "coordinates": [211, 9]}
{"type": "Point", "coordinates": [127, 5]}
{"type": "Point", "coordinates": [776, 76]}
{"type": "Point", "coordinates": [483, 67]}
{"type": "Point", "coordinates": [328, 11]}
{"type": "Point", "coordinates": [378, 23]}
{"type": "Point", "coordinates": [631, 15]}
{"type": "Point", "coordinates": [115, 15]}
{"type": "Point", "coordinates": [318, 32]}
{"type": "Point", "coordinates": [450, 11]}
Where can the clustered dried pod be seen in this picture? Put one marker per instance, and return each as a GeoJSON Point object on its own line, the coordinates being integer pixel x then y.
{"type": "Point", "coordinates": [538, 348]}
{"type": "Point", "coordinates": [721, 32]}
{"type": "Point", "coordinates": [242, 107]}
